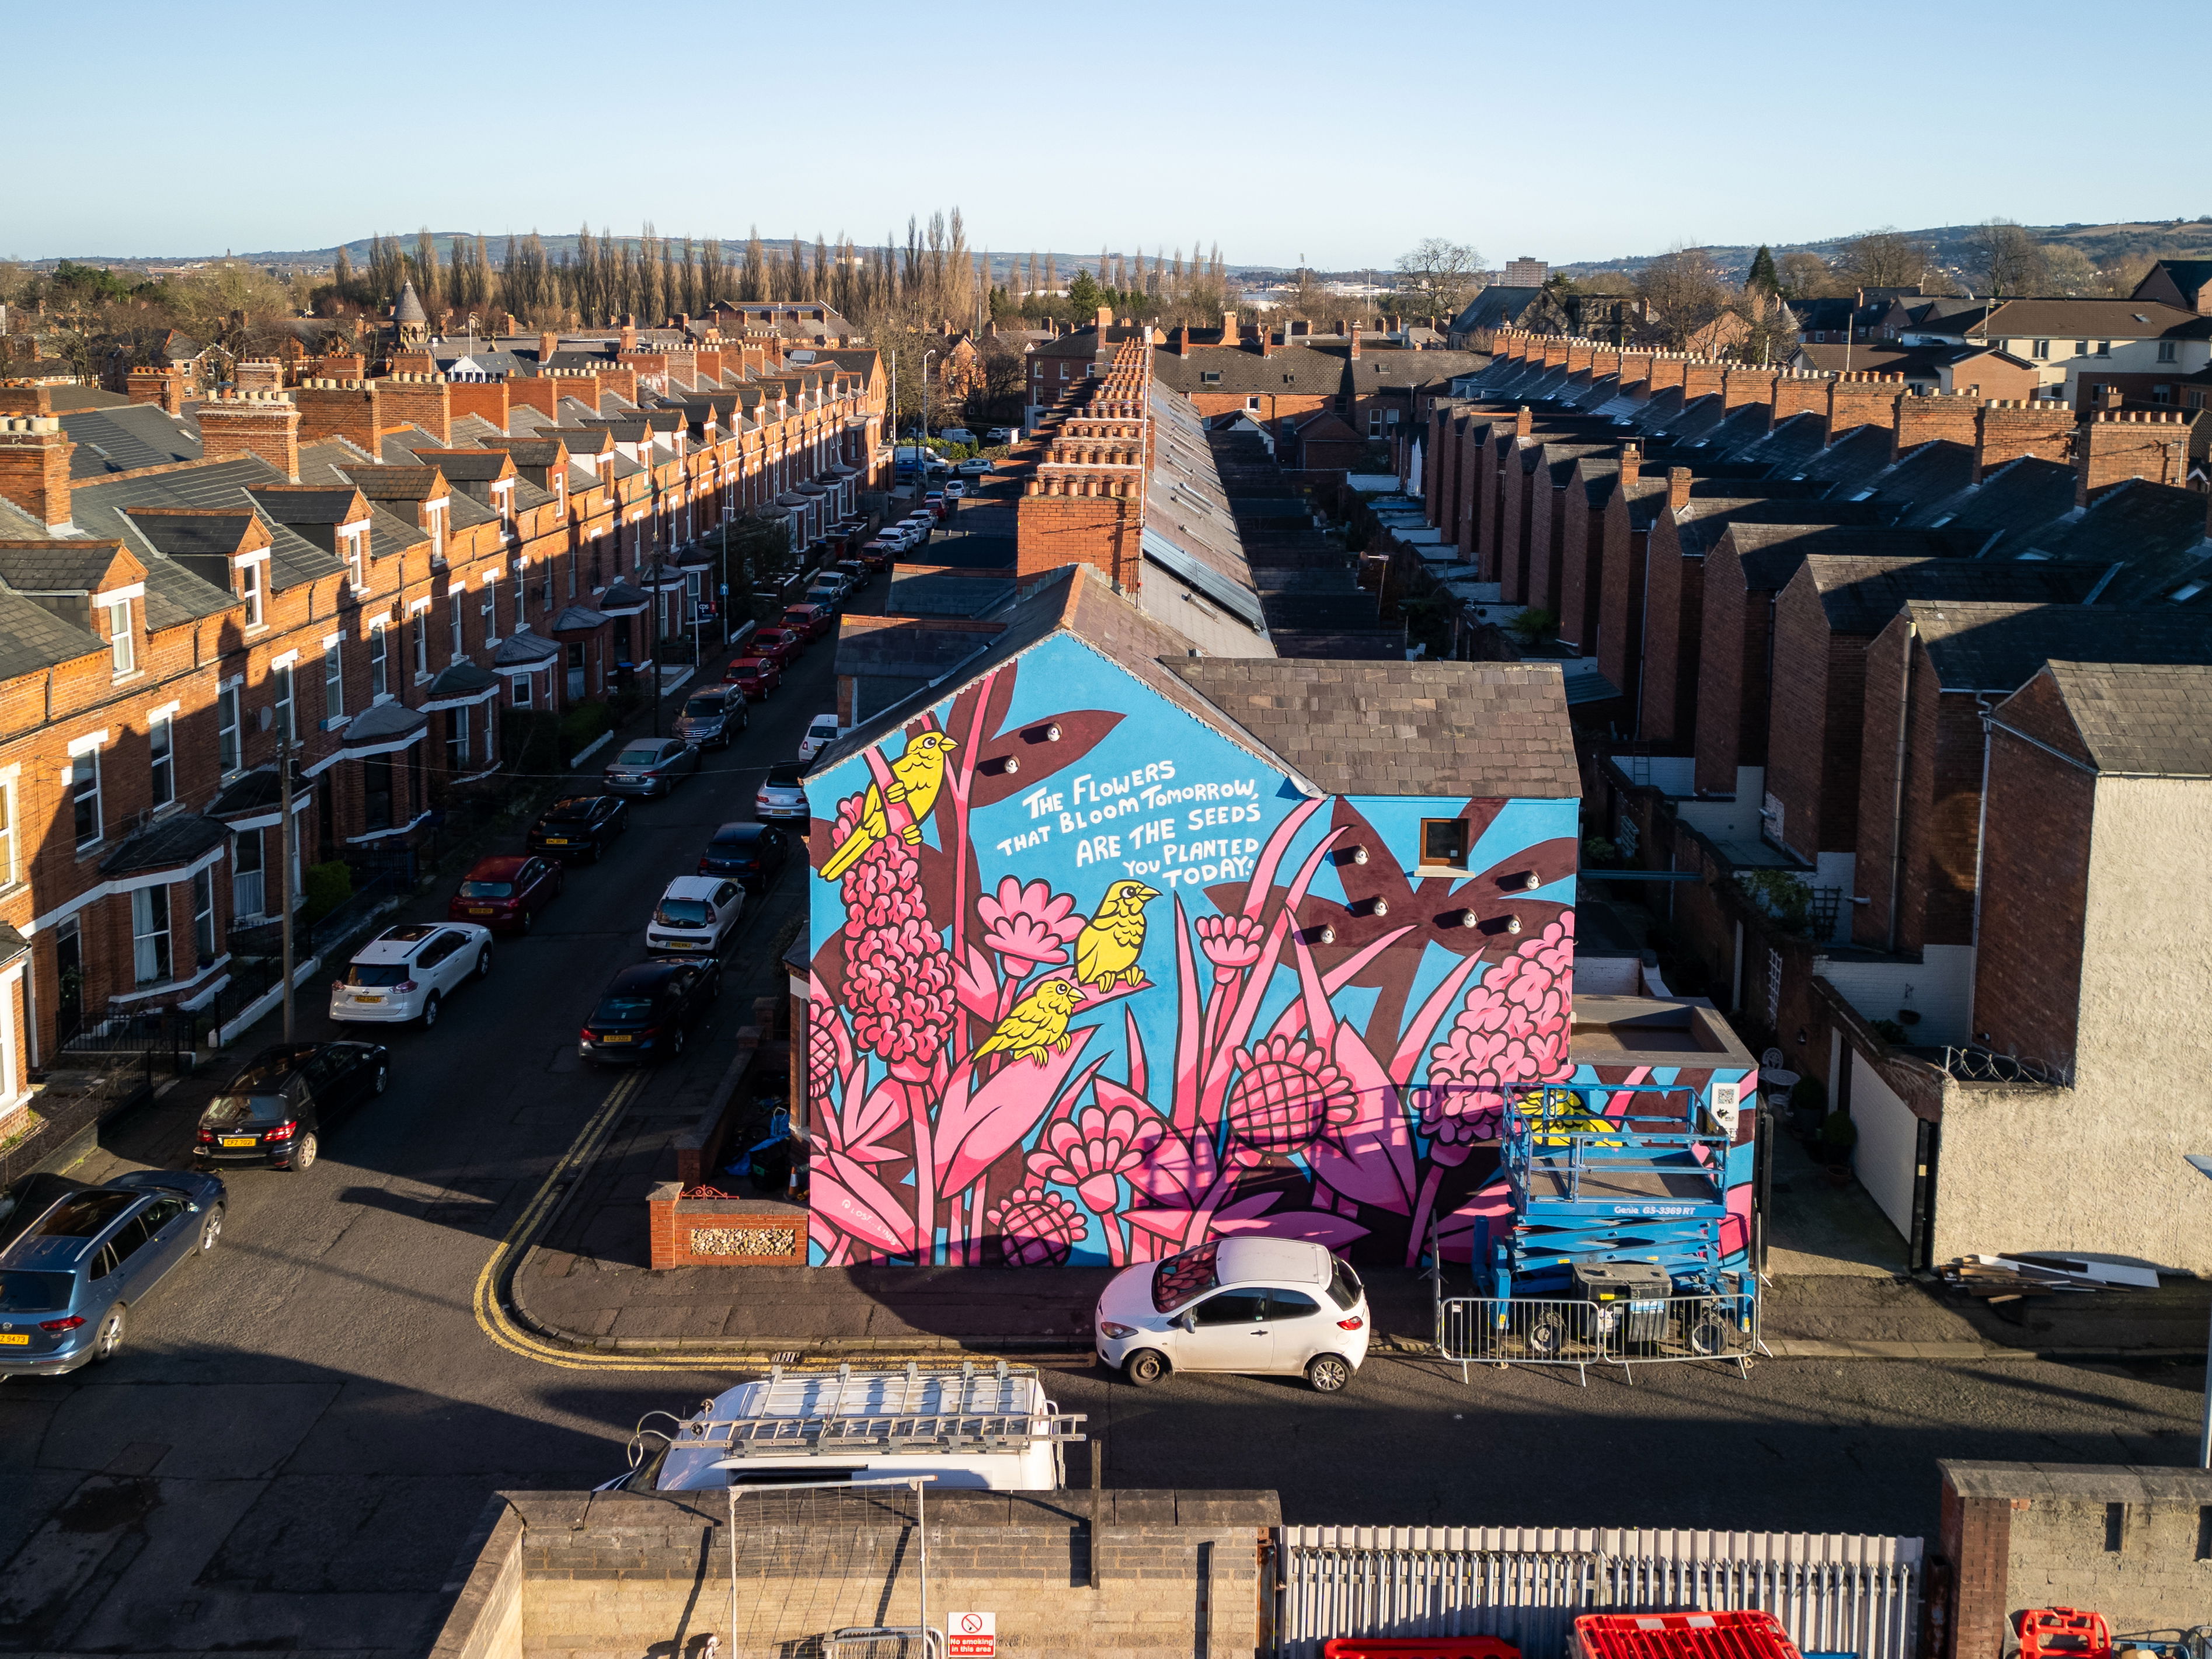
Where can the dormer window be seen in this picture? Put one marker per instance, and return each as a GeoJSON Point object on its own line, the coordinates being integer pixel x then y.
{"type": "Point", "coordinates": [122, 643]}
{"type": "Point", "coordinates": [433, 516]}
{"type": "Point", "coordinates": [250, 590]}
{"type": "Point", "coordinates": [502, 501]}
{"type": "Point", "coordinates": [353, 548]}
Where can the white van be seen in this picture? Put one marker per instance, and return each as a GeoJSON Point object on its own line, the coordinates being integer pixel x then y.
{"type": "Point", "coordinates": [991, 1430]}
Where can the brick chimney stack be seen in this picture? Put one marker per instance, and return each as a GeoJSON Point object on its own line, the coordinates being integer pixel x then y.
{"type": "Point", "coordinates": [339, 408]}
{"type": "Point", "coordinates": [1678, 488]}
{"type": "Point", "coordinates": [1231, 334]}
{"type": "Point", "coordinates": [263, 424]}
{"type": "Point", "coordinates": [2148, 443]}
{"type": "Point", "coordinates": [34, 468]}
{"type": "Point", "coordinates": [1523, 422]}
{"type": "Point", "coordinates": [1105, 321]}
{"type": "Point", "coordinates": [629, 342]}
{"type": "Point", "coordinates": [1631, 458]}
{"type": "Point", "coordinates": [548, 343]}
{"type": "Point", "coordinates": [2006, 429]}
{"type": "Point", "coordinates": [25, 397]}
{"type": "Point", "coordinates": [1182, 340]}
{"type": "Point", "coordinates": [421, 400]}
{"type": "Point", "coordinates": [1355, 344]}
{"type": "Point", "coordinates": [259, 375]}
{"type": "Point", "coordinates": [1266, 339]}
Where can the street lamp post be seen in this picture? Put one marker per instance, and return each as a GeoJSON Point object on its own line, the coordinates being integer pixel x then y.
{"type": "Point", "coordinates": [2202, 1162]}
{"type": "Point", "coordinates": [926, 356]}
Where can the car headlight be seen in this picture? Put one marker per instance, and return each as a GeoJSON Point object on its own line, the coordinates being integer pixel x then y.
{"type": "Point", "coordinates": [1107, 1328]}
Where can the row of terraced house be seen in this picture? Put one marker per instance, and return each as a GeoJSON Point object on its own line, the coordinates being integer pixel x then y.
{"type": "Point", "coordinates": [1898, 705]}
{"type": "Point", "coordinates": [370, 572]}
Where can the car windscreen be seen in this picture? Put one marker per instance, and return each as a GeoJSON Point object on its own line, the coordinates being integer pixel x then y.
{"type": "Point", "coordinates": [376, 975]}
{"type": "Point", "coordinates": [1181, 1279]}
{"type": "Point", "coordinates": [23, 1291]}
{"type": "Point", "coordinates": [578, 811]}
{"type": "Point", "coordinates": [705, 708]}
{"type": "Point", "coordinates": [750, 667]}
{"type": "Point", "coordinates": [637, 757]}
{"type": "Point", "coordinates": [683, 913]}
{"type": "Point", "coordinates": [228, 1109]}
{"type": "Point", "coordinates": [487, 890]}
{"type": "Point", "coordinates": [1344, 1287]}
{"type": "Point", "coordinates": [622, 1011]}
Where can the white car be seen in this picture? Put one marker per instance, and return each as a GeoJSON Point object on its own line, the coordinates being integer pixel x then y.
{"type": "Point", "coordinates": [955, 490]}
{"type": "Point", "coordinates": [978, 468]}
{"type": "Point", "coordinates": [407, 972]}
{"type": "Point", "coordinates": [1003, 435]}
{"type": "Point", "coordinates": [695, 916]}
{"type": "Point", "coordinates": [1237, 1304]}
{"type": "Point", "coordinates": [822, 732]}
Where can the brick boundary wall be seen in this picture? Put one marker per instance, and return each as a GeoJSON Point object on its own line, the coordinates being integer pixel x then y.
{"type": "Point", "coordinates": [723, 1232]}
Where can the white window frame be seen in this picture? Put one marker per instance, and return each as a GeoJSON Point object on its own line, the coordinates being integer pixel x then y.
{"type": "Point", "coordinates": [83, 769]}
{"type": "Point", "coordinates": [7, 833]}
{"type": "Point", "coordinates": [487, 607]}
{"type": "Point", "coordinates": [286, 700]}
{"type": "Point", "coordinates": [380, 661]}
{"type": "Point", "coordinates": [161, 754]}
{"type": "Point", "coordinates": [240, 873]}
{"type": "Point", "coordinates": [334, 677]}
{"type": "Point", "coordinates": [253, 588]}
{"type": "Point", "coordinates": [229, 729]}
{"type": "Point", "coordinates": [204, 942]}
{"type": "Point", "coordinates": [456, 738]}
{"type": "Point", "coordinates": [523, 690]}
{"type": "Point", "coordinates": [353, 548]}
{"type": "Point", "coordinates": [454, 595]}
{"type": "Point", "coordinates": [435, 513]}
{"type": "Point", "coordinates": [122, 638]}
{"type": "Point", "coordinates": [418, 619]}
{"type": "Point", "coordinates": [151, 963]}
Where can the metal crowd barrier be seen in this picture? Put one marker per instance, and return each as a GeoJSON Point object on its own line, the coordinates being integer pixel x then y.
{"type": "Point", "coordinates": [1480, 1330]}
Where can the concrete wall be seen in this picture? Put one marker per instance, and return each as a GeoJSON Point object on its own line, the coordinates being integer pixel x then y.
{"type": "Point", "coordinates": [1123, 1575]}
{"type": "Point", "coordinates": [2126, 1541]}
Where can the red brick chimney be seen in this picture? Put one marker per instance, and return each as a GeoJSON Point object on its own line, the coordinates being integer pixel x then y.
{"type": "Point", "coordinates": [1355, 346]}
{"type": "Point", "coordinates": [1105, 320]}
{"type": "Point", "coordinates": [25, 397]}
{"type": "Point", "coordinates": [548, 343]}
{"type": "Point", "coordinates": [34, 468]}
{"type": "Point", "coordinates": [2148, 444]}
{"type": "Point", "coordinates": [1933, 415]}
{"type": "Point", "coordinates": [1856, 400]}
{"type": "Point", "coordinates": [629, 342]}
{"type": "Point", "coordinates": [421, 400]}
{"type": "Point", "coordinates": [259, 375]}
{"type": "Point", "coordinates": [263, 424]}
{"type": "Point", "coordinates": [1182, 340]}
{"type": "Point", "coordinates": [1632, 458]}
{"type": "Point", "coordinates": [1266, 339]}
{"type": "Point", "coordinates": [1523, 422]}
{"type": "Point", "coordinates": [1678, 488]}
{"type": "Point", "coordinates": [1230, 333]}
{"type": "Point", "coordinates": [339, 408]}
{"type": "Point", "coordinates": [2007, 429]}
{"type": "Point", "coordinates": [163, 384]}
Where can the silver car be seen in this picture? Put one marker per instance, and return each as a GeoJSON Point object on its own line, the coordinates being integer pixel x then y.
{"type": "Point", "coordinates": [781, 794]}
{"type": "Point", "coordinates": [651, 766]}
{"type": "Point", "coordinates": [713, 718]}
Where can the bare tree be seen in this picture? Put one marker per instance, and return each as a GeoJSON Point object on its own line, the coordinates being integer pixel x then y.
{"type": "Point", "coordinates": [2067, 270]}
{"type": "Point", "coordinates": [1882, 259]}
{"type": "Point", "coordinates": [2005, 260]}
{"type": "Point", "coordinates": [1685, 292]}
{"type": "Point", "coordinates": [1439, 276]}
{"type": "Point", "coordinates": [1802, 275]}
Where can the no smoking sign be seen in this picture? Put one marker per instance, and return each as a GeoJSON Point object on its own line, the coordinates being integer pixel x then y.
{"type": "Point", "coordinates": [971, 1635]}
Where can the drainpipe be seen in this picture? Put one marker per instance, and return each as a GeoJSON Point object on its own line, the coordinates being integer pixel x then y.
{"type": "Point", "coordinates": [1897, 803]}
{"type": "Point", "coordinates": [1982, 708]}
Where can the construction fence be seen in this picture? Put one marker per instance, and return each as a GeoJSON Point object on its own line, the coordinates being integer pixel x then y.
{"type": "Point", "coordinates": [1478, 1330]}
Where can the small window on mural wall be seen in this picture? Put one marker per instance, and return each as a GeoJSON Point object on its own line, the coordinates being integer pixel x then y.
{"type": "Point", "coordinates": [1443, 842]}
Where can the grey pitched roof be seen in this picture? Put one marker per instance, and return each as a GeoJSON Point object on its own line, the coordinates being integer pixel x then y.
{"type": "Point", "coordinates": [173, 840]}
{"type": "Point", "coordinates": [1287, 371]}
{"type": "Point", "coordinates": [2138, 719]}
{"type": "Point", "coordinates": [524, 651]}
{"type": "Point", "coordinates": [410, 309]}
{"type": "Point", "coordinates": [2007, 507]}
{"type": "Point", "coordinates": [175, 593]}
{"type": "Point", "coordinates": [123, 439]}
{"type": "Point", "coordinates": [1496, 306]}
{"type": "Point", "coordinates": [1861, 593]}
{"type": "Point", "coordinates": [1998, 647]}
{"type": "Point", "coordinates": [33, 638]}
{"type": "Point", "coordinates": [1483, 729]}
{"type": "Point", "coordinates": [2155, 532]}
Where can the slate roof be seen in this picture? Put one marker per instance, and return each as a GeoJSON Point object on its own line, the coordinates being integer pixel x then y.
{"type": "Point", "coordinates": [1482, 729]}
{"type": "Point", "coordinates": [2155, 532]}
{"type": "Point", "coordinates": [123, 439]}
{"type": "Point", "coordinates": [2010, 504]}
{"type": "Point", "coordinates": [1496, 306]}
{"type": "Point", "coordinates": [175, 841]}
{"type": "Point", "coordinates": [1769, 554]}
{"type": "Point", "coordinates": [1998, 647]}
{"type": "Point", "coordinates": [2147, 720]}
{"type": "Point", "coordinates": [33, 638]}
{"type": "Point", "coordinates": [1287, 371]}
{"type": "Point", "coordinates": [173, 593]}
{"type": "Point", "coordinates": [410, 309]}
{"type": "Point", "coordinates": [1699, 526]}
{"type": "Point", "coordinates": [1861, 593]}
{"type": "Point", "coordinates": [2133, 319]}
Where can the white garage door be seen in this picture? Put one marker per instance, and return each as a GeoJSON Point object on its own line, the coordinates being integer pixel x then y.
{"type": "Point", "coordinates": [1889, 1144]}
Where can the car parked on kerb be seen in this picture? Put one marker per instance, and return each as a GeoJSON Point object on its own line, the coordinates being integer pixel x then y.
{"type": "Point", "coordinates": [695, 916]}
{"type": "Point", "coordinates": [76, 1260]}
{"type": "Point", "coordinates": [756, 677]}
{"type": "Point", "coordinates": [753, 854]}
{"type": "Point", "coordinates": [713, 718]}
{"type": "Point", "coordinates": [1261, 1306]}
{"type": "Point", "coordinates": [580, 826]}
{"type": "Point", "coordinates": [407, 972]}
{"type": "Point", "coordinates": [651, 766]}
{"type": "Point", "coordinates": [781, 646]}
{"type": "Point", "coordinates": [647, 1012]}
{"type": "Point", "coordinates": [782, 793]}
{"type": "Point", "coordinates": [505, 892]}
{"type": "Point", "coordinates": [275, 1109]}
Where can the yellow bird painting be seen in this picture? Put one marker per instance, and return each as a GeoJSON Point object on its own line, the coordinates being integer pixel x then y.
{"type": "Point", "coordinates": [1038, 1021]}
{"type": "Point", "coordinates": [1107, 950]}
{"type": "Point", "coordinates": [917, 775]}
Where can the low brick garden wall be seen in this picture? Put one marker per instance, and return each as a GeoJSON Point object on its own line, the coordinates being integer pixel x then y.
{"type": "Point", "coordinates": [723, 1232]}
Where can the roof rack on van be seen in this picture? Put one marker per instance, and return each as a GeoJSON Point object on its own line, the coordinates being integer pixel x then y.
{"type": "Point", "coordinates": [942, 1412]}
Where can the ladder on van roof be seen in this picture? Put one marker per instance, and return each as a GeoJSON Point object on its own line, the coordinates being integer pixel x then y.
{"type": "Point", "coordinates": [876, 1413]}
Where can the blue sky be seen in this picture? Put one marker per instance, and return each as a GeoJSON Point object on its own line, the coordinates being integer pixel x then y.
{"type": "Point", "coordinates": [1341, 132]}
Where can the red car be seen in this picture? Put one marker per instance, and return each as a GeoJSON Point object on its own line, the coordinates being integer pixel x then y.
{"type": "Point", "coordinates": [756, 677]}
{"type": "Point", "coordinates": [504, 894]}
{"type": "Point", "coordinates": [781, 646]}
{"type": "Point", "coordinates": [812, 621]}
{"type": "Point", "coordinates": [877, 554]}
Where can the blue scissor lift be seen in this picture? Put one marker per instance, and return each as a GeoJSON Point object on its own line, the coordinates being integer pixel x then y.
{"type": "Point", "coordinates": [1647, 1187]}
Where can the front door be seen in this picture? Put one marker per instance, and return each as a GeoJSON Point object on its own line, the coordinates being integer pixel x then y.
{"type": "Point", "coordinates": [69, 963]}
{"type": "Point", "coordinates": [576, 692]}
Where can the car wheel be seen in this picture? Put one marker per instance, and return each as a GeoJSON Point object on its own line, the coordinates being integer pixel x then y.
{"type": "Point", "coordinates": [1709, 1336]}
{"type": "Point", "coordinates": [109, 1341]}
{"type": "Point", "coordinates": [484, 963]}
{"type": "Point", "coordinates": [1547, 1337]}
{"type": "Point", "coordinates": [383, 1077]}
{"type": "Point", "coordinates": [211, 1228]}
{"type": "Point", "coordinates": [431, 1012]}
{"type": "Point", "coordinates": [303, 1154]}
{"type": "Point", "coordinates": [1328, 1373]}
{"type": "Point", "coordinates": [1144, 1367]}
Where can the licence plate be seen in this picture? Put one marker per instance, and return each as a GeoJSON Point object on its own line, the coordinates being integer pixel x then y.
{"type": "Point", "coordinates": [618, 1036]}
{"type": "Point", "coordinates": [557, 841]}
{"type": "Point", "coordinates": [479, 909]}
{"type": "Point", "coordinates": [241, 1140]}
{"type": "Point", "coordinates": [15, 1339]}
{"type": "Point", "coordinates": [359, 998]}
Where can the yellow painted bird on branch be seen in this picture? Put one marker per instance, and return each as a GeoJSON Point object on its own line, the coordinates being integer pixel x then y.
{"type": "Point", "coordinates": [917, 775]}
{"type": "Point", "coordinates": [1106, 949]}
{"type": "Point", "coordinates": [1038, 1021]}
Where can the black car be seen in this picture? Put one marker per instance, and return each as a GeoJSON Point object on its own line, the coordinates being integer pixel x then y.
{"type": "Point", "coordinates": [579, 826]}
{"type": "Point", "coordinates": [753, 852]}
{"type": "Point", "coordinates": [275, 1110]}
{"type": "Point", "coordinates": [647, 1012]}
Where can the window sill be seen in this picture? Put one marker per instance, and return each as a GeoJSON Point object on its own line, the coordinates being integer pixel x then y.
{"type": "Point", "coordinates": [127, 676]}
{"type": "Point", "coordinates": [1438, 872]}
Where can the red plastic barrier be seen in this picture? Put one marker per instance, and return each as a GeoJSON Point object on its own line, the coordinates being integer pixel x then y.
{"type": "Point", "coordinates": [1425, 1647]}
{"type": "Point", "coordinates": [2064, 1633]}
{"type": "Point", "coordinates": [1683, 1636]}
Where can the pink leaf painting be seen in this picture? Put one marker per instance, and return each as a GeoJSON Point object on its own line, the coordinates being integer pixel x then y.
{"type": "Point", "coordinates": [1371, 1157]}
{"type": "Point", "coordinates": [1316, 1226]}
{"type": "Point", "coordinates": [999, 1115]}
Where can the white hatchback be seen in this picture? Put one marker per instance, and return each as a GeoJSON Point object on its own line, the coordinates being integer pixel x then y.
{"type": "Point", "coordinates": [821, 731]}
{"type": "Point", "coordinates": [1280, 1305]}
{"type": "Point", "coordinates": [695, 916]}
{"type": "Point", "coordinates": [407, 972]}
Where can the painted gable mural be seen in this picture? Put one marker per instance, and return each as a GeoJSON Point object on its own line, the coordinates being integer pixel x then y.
{"type": "Point", "coordinates": [1091, 982]}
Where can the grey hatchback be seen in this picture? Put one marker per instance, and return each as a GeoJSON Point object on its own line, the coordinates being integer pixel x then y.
{"type": "Point", "coordinates": [78, 1258]}
{"type": "Point", "coordinates": [651, 766]}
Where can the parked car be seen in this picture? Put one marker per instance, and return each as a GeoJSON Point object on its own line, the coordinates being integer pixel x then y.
{"type": "Point", "coordinates": [827, 592]}
{"type": "Point", "coordinates": [781, 795]}
{"type": "Point", "coordinates": [505, 892]}
{"type": "Point", "coordinates": [880, 553]}
{"type": "Point", "coordinates": [1004, 434]}
{"type": "Point", "coordinates": [751, 853]}
{"type": "Point", "coordinates": [713, 718]}
{"type": "Point", "coordinates": [978, 468]}
{"type": "Point", "coordinates": [647, 1011]}
{"type": "Point", "coordinates": [80, 1258]}
{"type": "Point", "coordinates": [781, 646]}
{"type": "Point", "coordinates": [756, 677]}
{"type": "Point", "coordinates": [695, 916]}
{"type": "Point", "coordinates": [1237, 1304]}
{"type": "Point", "coordinates": [956, 434]}
{"type": "Point", "coordinates": [937, 502]}
{"type": "Point", "coordinates": [955, 491]}
{"type": "Point", "coordinates": [580, 826]}
{"type": "Point", "coordinates": [821, 731]}
{"type": "Point", "coordinates": [855, 573]}
{"type": "Point", "coordinates": [652, 766]}
{"type": "Point", "coordinates": [275, 1110]}
{"type": "Point", "coordinates": [407, 972]}
{"type": "Point", "coordinates": [811, 622]}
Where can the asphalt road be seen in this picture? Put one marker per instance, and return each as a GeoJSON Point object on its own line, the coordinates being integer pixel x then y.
{"type": "Point", "coordinates": [306, 1422]}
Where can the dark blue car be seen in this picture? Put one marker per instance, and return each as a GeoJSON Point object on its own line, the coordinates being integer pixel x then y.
{"type": "Point", "coordinates": [76, 1260]}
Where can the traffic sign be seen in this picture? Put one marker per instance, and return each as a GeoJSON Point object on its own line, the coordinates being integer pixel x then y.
{"type": "Point", "coordinates": [971, 1635]}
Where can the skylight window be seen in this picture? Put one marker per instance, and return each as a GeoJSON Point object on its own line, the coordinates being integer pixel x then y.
{"type": "Point", "coordinates": [2186, 591]}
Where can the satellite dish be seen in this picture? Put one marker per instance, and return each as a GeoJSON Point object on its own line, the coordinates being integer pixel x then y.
{"type": "Point", "coordinates": [266, 716]}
